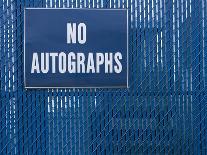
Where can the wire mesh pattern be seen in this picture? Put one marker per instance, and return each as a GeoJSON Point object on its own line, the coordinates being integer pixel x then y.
{"type": "Point", "coordinates": [163, 111]}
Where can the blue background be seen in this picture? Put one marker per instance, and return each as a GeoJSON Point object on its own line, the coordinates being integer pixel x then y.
{"type": "Point", "coordinates": [164, 110]}
{"type": "Point", "coordinates": [46, 31]}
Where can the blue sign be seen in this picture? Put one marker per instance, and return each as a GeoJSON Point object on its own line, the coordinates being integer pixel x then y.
{"type": "Point", "coordinates": [75, 48]}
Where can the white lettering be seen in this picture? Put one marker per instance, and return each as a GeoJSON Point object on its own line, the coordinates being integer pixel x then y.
{"type": "Point", "coordinates": [118, 67]}
{"type": "Point", "coordinates": [81, 33]}
{"type": "Point", "coordinates": [53, 55]}
{"type": "Point", "coordinates": [108, 63]}
{"type": "Point", "coordinates": [99, 61]}
{"type": "Point", "coordinates": [71, 33]}
{"type": "Point", "coordinates": [62, 62]}
{"type": "Point", "coordinates": [90, 64]}
{"type": "Point", "coordinates": [35, 63]}
{"type": "Point", "coordinates": [77, 62]}
{"type": "Point", "coordinates": [71, 65]}
{"type": "Point", "coordinates": [80, 63]}
{"type": "Point", "coordinates": [44, 63]}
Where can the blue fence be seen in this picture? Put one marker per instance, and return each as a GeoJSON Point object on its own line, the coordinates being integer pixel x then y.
{"type": "Point", "coordinates": [163, 111]}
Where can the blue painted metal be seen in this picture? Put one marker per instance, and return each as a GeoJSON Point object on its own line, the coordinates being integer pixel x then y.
{"type": "Point", "coordinates": [163, 111]}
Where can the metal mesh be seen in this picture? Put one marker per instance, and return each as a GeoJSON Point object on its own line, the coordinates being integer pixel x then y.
{"type": "Point", "coordinates": [163, 111]}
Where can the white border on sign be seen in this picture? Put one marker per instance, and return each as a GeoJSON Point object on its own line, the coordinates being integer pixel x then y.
{"type": "Point", "coordinates": [88, 86]}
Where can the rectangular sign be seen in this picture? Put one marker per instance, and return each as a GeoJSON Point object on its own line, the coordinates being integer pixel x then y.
{"type": "Point", "coordinates": [75, 48]}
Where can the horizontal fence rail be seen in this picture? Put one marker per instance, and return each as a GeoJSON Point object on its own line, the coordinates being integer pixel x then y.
{"type": "Point", "coordinates": [162, 112]}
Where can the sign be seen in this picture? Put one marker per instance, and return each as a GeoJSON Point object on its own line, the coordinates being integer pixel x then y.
{"type": "Point", "coordinates": [75, 48]}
